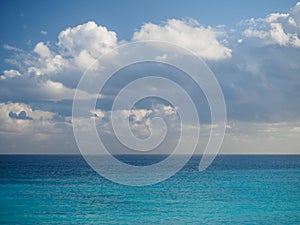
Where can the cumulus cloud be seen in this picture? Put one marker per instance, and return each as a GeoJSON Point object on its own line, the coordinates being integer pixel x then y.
{"type": "Point", "coordinates": [277, 28]}
{"type": "Point", "coordinates": [48, 66]}
{"type": "Point", "coordinates": [86, 42]}
{"type": "Point", "coordinates": [188, 34]}
{"type": "Point", "coordinates": [42, 50]}
{"type": "Point", "coordinates": [139, 119]}
{"type": "Point", "coordinates": [24, 130]}
{"type": "Point", "coordinates": [21, 118]}
{"type": "Point", "coordinates": [47, 63]}
{"type": "Point", "coordinates": [260, 81]}
{"type": "Point", "coordinates": [77, 48]}
{"type": "Point", "coordinates": [96, 40]}
{"type": "Point", "coordinates": [9, 74]}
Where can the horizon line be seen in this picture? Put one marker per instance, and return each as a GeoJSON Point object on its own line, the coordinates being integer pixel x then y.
{"type": "Point", "coordinates": [70, 154]}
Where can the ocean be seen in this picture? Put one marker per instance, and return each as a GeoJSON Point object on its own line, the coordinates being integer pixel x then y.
{"type": "Point", "coordinates": [235, 189]}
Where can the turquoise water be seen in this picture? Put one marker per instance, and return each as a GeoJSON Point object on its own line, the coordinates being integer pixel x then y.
{"type": "Point", "coordinates": [234, 190]}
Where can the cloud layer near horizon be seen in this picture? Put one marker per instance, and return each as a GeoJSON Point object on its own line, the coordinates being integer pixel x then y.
{"type": "Point", "coordinates": [257, 66]}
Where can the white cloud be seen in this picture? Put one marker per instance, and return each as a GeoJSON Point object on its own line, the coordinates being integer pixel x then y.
{"type": "Point", "coordinates": [241, 136]}
{"type": "Point", "coordinates": [84, 60]}
{"type": "Point", "coordinates": [42, 50]}
{"type": "Point", "coordinates": [96, 40]}
{"type": "Point", "coordinates": [38, 121]}
{"type": "Point", "coordinates": [259, 84]}
{"type": "Point", "coordinates": [98, 113]}
{"type": "Point", "coordinates": [77, 48]}
{"type": "Point", "coordinates": [198, 39]}
{"type": "Point", "coordinates": [12, 48]}
{"type": "Point", "coordinates": [139, 119]}
{"type": "Point", "coordinates": [48, 66]}
{"type": "Point", "coordinates": [54, 91]}
{"type": "Point", "coordinates": [48, 62]}
{"type": "Point", "coordinates": [282, 29]}
{"type": "Point", "coordinates": [27, 130]}
{"type": "Point", "coordinates": [10, 74]}
{"type": "Point", "coordinates": [43, 32]}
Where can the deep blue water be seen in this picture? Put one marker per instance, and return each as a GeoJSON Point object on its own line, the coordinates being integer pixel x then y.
{"type": "Point", "coordinates": [234, 190]}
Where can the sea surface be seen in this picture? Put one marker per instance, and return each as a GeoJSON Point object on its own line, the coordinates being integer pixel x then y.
{"type": "Point", "coordinates": [235, 189]}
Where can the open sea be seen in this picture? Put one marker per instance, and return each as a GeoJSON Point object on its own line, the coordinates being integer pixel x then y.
{"type": "Point", "coordinates": [235, 189]}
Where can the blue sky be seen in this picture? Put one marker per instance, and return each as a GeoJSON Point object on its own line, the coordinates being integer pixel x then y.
{"type": "Point", "coordinates": [253, 47]}
{"type": "Point", "coordinates": [22, 21]}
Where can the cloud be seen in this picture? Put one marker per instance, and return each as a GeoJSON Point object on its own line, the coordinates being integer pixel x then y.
{"type": "Point", "coordinates": [47, 65]}
{"type": "Point", "coordinates": [26, 130]}
{"type": "Point", "coordinates": [42, 50]}
{"type": "Point", "coordinates": [277, 28]}
{"type": "Point", "coordinates": [261, 138]}
{"type": "Point", "coordinates": [10, 74]}
{"type": "Point", "coordinates": [77, 48]}
{"type": "Point", "coordinates": [142, 122]}
{"type": "Point", "coordinates": [94, 39]}
{"type": "Point", "coordinates": [12, 48]}
{"type": "Point", "coordinates": [188, 34]}
{"type": "Point", "coordinates": [56, 91]}
{"type": "Point", "coordinates": [44, 32]}
{"type": "Point", "coordinates": [86, 42]}
{"type": "Point", "coordinates": [39, 89]}
{"type": "Point", "coordinates": [21, 118]}
{"type": "Point", "coordinates": [259, 78]}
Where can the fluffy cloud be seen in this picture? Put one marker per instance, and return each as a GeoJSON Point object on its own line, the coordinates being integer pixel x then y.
{"type": "Point", "coordinates": [79, 46]}
{"type": "Point", "coordinates": [48, 65]}
{"type": "Point", "coordinates": [188, 34]}
{"type": "Point", "coordinates": [94, 39]}
{"type": "Point", "coordinates": [276, 28]}
{"type": "Point", "coordinates": [259, 79]}
{"type": "Point", "coordinates": [10, 74]}
{"type": "Point", "coordinates": [140, 122]}
{"type": "Point", "coordinates": [42, 50]}
{"type": "Point", "coordinates": [26, 130]}
{"type": "Point", "coordinates": [86, 42]}
{"type": "Point", "coordinates": [76, 49]}
{"type": "Point", "coordinates": [21, 118]}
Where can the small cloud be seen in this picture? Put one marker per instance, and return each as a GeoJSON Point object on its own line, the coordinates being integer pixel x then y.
{"type": "Point", "coordinates": [228, 126]}
{"type": "Point", "coordinates": [12, 48]}
{"type": "Point", "coordinates": [162, 57]}
{"type": "Point", "coordinates": [29, 42]}
{"type": "Point", "coordinates": [10, 74]}
{"type": "Point", "coordinates": [44, 32]}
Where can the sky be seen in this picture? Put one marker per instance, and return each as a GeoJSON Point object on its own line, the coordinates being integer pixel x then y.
{"type": "Point", "coordinates": [252, 47]}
